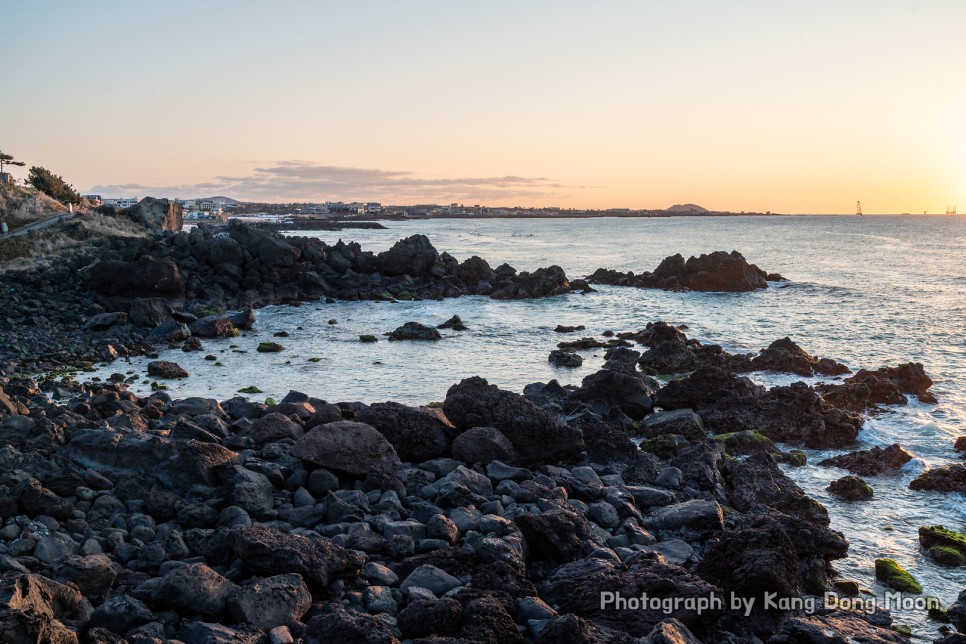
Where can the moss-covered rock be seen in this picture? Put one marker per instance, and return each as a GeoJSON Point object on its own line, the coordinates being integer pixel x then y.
{"type": "Point", "coordinates": [269, 347]}
{"type": "Point", "coordinates": [250, 390]}
{"type": "Point", "coordinates": [746, 442]}
{"type": "Point", "coordinates": [851, 488]}
{"type": "Point", "coordinates": [946, 556]}
{"type": "Point", "coordinates": [895, 576]}
{"type": "Point", "coordinates": [795, 458]}
{"type": "Point", "coordinates": [366, 337]}
{"type": "Point", "coordinates": [903, 629]}
{"type": "Point", "coordinates": [936, 535]}
{"type": "Point", "coordinates": [847, 587]}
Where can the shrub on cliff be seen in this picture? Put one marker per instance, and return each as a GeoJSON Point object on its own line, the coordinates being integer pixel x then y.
{"type": "Point", "coordinates": [51, 184]}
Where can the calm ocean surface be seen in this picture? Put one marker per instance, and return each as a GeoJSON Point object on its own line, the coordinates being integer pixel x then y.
{"type": "Point", "coordinates": [870, 292]}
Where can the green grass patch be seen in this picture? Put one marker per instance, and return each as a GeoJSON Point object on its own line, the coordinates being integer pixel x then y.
{"type": "Point", "coordinates": [14, 247]}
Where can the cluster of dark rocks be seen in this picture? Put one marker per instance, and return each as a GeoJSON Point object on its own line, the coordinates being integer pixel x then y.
{"type": "Point", "coordinates": [493, 517]}
{"type": "Point", "coordinates": [166, 275]}
{"type": "Point", "coordinates": [718, 271]}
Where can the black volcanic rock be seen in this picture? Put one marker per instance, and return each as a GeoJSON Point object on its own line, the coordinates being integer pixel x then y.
{"type": "Point", "coordinates": [273, 552]}
{"type": "Point", "coordinates": [947, 478]}
{"type": "Point", "coordinates": [872, 461]}
{"type": "Point", "coordinates": [719, 271]}
{"type": "Point", "coordinates": [414, 331]}
{"type": "Point", "coordinates": [417, 434]}
{"type": "Point", "coordinates": [145, 276]}
{"type": "Point", "coordinates": [786, 356]}
{"type": "Point", "coordinates": [543, 282]}
{"type": "Point", "coordinates": [537, 436]}
{"type": "Point", "coordinates": [414, 256]}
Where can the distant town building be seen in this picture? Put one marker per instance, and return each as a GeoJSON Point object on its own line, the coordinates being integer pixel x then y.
{"type": "Point", "coordinates": [355, 208]}
{"type": "Point", "coordinates": [6, 178]}
{"type": "Point", "coordinates": [121, 202]}
{"type": "Point", "coordinates": [97, 200]}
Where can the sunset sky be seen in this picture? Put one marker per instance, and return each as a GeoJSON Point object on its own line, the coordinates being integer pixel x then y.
{"type": "Point", "coordinates": [794, 107]}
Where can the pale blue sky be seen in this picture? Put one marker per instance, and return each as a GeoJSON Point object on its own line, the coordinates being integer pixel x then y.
{"type": "Point", "coordinates": [783, 106]}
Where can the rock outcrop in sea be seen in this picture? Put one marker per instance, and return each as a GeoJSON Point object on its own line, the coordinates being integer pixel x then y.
{"type": "Point", "coordinates": [718, 271]}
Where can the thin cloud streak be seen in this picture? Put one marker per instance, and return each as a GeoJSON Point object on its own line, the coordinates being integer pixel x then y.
{"type": "Point", "coordinates": [299, 181]}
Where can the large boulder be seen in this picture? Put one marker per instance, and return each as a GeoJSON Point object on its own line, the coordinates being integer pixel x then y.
{"type": "Point", "coordinates": [543, 282]}
{"type": "Point", "coordinates": [556, 535]}
{"type": "Point", "coordinates": [417, 433]}
{"type": "Point", "coordinates": [607, 389]}
{"type": "Point", "coordinates": [117, 452]}
{"type": "Point", "coordinates": [414, 331]}
{"type": "Point", "coordinates": [155, 214]}
{"type": "Point", "coordinates": [730, 403]}
{"type": "Point", "coordinates": [194, 588]}
{"type": "Point", "coordinates": [785, 356]}
{"type": "Point", "coordinates": [271, 250]}
{"type": "Point", "coordinates": [947, 478]}
{"type": "Point", "coordinates": [145, 276]}
{"type": "Point", "coordinates": [483, 445]}
{"type": "Point", "coordinates": [270, 551]}
{"type": "Point", "coordinates": [39, 596]}
{"type": "Point", "coordinates": [909, 378]}
{"type": "Point", "coordinates": [871, 462]}
{"type": "Point", "coordinates": [753, 560]}
{"type": "Point", "coordinates": [347, 446]}
{"type": "Point", "coordinates": [272, 601]}
{"type": "Point", "coordinates": [719, 271]}
{"type": "Point", "coordinates": [590, 587]}
{"type": "Point", "coordinates": [537, 436]}
{"type": "Point", "coordinates": [26, 432]}
{"type": "Point", "coordinates": [413, 256]}
{"type": "Point", "coordinates": [194, 463]}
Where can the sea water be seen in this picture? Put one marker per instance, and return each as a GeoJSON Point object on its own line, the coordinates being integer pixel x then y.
{"type": "Point", "coordinates": [867, 291]}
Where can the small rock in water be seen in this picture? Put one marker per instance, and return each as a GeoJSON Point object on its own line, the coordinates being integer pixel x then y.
{"type": "Point", "coordinates": [414, 331]}
{"type": "Point", "coordinates": [569, 359]}
{"type": "Point", "coordinates": [454, 323]}
{"type": "Point", "coordinates": [269, 347]}
{"type": "Point", "coordinates": [562, 328]}
{"type": "Point", "coordinates": [166, 369]}
{"type": "Point", "coordinates": [851, 488]}
{"type": "Point", "coordinates": [895, 576]}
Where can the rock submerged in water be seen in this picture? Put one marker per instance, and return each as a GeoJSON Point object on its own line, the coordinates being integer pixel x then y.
{"type": "Point", "coordinates": [414, 331]}
{"type": "Point", "coordinates": [569, 359]}
{"type": "Point", "coordinates": [947, 478]}
{"type": "Point", "coordinates": [872, 461]}
{"type": "Point", "coordinates": [945, 547]}
{"type": "Point", "coordinates": [851, 488]}
{"type": "Point", "coordinates": [454, 323]}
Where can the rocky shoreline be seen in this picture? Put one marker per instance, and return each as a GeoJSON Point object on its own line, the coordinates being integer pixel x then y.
{"type": "Point", "coordinates": [494, 517]}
